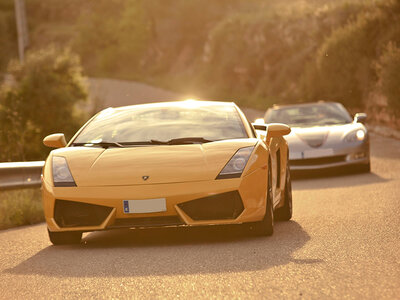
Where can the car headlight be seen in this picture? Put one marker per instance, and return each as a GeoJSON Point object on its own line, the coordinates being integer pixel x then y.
{"type": "Point", "coordinates": [235, 166]}
{"type": "Point", "coordinates": [356, 135]}
{"type": "Point", "coordinates": [61, 174]}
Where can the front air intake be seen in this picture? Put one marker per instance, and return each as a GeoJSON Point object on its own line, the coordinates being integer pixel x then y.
{"type": "Point", "coordinates": [223, 206]}
{"type": "Point", "coordinates": [318, 161]}
{"type": "Point", "coordinates": [76, 214]}
{"type": "Point", "coordinates": [147, 222]}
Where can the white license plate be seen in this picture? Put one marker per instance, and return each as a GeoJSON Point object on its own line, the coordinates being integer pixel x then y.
{"type": "Point", "coordinates": [144, 206]}
{"type": "Point", "coordinates": [295, 155]}
{"type": "Point", "coordinates": [318, 153]}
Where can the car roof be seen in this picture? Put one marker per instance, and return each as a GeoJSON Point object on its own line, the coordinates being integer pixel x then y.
{"type": "Point", "coordinates": [182, 103]}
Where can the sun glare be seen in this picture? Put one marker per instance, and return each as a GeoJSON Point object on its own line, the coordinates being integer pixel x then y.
{"type": "Point", "coordinates": [190, 103]}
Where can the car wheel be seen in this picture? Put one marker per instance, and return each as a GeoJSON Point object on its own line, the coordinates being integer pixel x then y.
{"type": "Point", "coordinates": [65, 238]}
{"type": "Point", "coordinates": [285, 212]}
{"type": "Point", "coordinates": [266, 226]}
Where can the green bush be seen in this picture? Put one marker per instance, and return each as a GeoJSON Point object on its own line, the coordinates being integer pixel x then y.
{"type": "Point", "coordinates": [343, 68]}
{"type": "Point", "coordinates": [112, 44]}
{"type": "Point", "coordinates": [343, 64]}
{"type": "Point", "coordinates": [388, 69]}
{"type": "Point", "coordinates": [20, 207]}
{"type": "Point", "coordinates": [41, 101]}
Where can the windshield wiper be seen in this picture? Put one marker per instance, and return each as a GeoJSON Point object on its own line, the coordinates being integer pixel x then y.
{"type": "Point", "coordinates": [185, 140]}
{"type": "Point", "coordinates": [101, 144]}
{"type": "Point", "coordinates": [140, 143]}
{"type": "Point", "coordinates": [177, 141]}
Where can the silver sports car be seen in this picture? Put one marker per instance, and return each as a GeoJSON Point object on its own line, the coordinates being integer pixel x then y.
{"type": "Point", "coordinates": [323, 135]}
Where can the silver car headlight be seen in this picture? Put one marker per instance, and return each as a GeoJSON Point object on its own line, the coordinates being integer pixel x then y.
{"type": "Point", "coordinates": [235, 166]}
{"type": "Point", "coordinates": [61, 174]}
{"type": "Point", "coordinates": [356, 135]}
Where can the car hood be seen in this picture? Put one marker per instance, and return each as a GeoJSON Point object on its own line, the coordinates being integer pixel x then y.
{"type": "Point", "coordinates": [94, 166]}
{"type": "Point", "coordinates": [305, 138]}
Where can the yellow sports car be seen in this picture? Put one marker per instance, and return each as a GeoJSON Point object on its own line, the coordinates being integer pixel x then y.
{"type": "Point", "coordinates": [166, 164]}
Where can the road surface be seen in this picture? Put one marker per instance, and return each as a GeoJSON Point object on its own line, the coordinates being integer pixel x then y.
{"type": "Point", "coordinates": [105, 92]}
{"type": "Point", "coordinates": [343, 243]}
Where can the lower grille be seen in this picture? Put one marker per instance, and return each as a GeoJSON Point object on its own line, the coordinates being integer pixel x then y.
{"type": "Point", "coordinates": [147, 222]}
{"type": "Point", "coordinates": [74, 214]}
{"type": "Point", "coordinates": [222, 206]}
{"type": "Point", "coordinates": [318, 161]}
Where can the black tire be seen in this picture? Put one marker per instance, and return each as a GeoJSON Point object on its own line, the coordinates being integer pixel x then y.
{"type": "Point", "coordinates": [65, 238]}
{"type": "Point", "coordinates": [266, 226]}
{"type": "Point", "coordinates": [285, 212]}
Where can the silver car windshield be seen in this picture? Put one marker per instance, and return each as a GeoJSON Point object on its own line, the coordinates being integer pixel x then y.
{"type": "Point", "coordinates": [158, 124]}
{"type": "Point", "coordinates": [318, 114]}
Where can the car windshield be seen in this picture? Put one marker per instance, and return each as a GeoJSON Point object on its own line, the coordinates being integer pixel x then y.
{"type": "Point", "coordinates": [319, 114]}
{"type": "Point", "coordinates": [163, 124]}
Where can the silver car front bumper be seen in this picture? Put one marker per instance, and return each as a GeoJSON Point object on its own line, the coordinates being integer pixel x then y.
{"type": "Point", "coordinates": [340, 157]}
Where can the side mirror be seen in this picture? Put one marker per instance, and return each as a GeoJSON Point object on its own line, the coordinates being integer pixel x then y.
{"type": "Point", "coordinates": [56, 140]}
{"type": "Point", "coordinates": [262, 127]}
{"type": "Point", "coordinates": [277, 129]}
{"type": "Point", "coordinates": [360, 118]}
{"type": "Point", "coordinates": [259, 125]}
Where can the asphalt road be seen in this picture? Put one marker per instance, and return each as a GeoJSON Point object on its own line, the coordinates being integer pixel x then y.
{"type": "Point", "coordinates": [105, 92]}
{"type": "Point", "coordinates": [343, 243]}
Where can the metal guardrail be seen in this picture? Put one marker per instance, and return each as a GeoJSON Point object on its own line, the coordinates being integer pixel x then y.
{"type": "Point", "coordinates": [17, 175]}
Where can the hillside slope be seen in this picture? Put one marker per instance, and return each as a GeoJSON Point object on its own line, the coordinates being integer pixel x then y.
{"type": "Point", "coordinates": [257, 53]}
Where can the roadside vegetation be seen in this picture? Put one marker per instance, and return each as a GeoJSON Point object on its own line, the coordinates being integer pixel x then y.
{"type": "Point", "coordinates": [40, 100]}
{"type": "Point", "coordinates": [20, 207]}
{"type": "Point", "coordinates": [257, 53]}
{"type": "Point", "coordinates": [8, 32]}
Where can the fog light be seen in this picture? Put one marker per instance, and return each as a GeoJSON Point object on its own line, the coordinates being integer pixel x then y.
{"type": "Point", "coordinates": [355, 156]}
{"type": "Point", "coordinates": [359, 155]}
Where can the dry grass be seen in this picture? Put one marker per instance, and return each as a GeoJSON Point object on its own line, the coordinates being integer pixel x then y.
{"type": "Point", "coordinates": [20, 207]}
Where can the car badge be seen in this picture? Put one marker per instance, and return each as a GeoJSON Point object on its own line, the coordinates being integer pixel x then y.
{"type": "Point", "coordinates": [145, 177]}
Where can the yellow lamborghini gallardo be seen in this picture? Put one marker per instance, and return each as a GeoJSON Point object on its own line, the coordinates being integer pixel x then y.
{"type": "Point", "coordinates": [183, 163]}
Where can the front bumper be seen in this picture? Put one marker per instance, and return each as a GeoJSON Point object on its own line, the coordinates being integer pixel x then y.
{"type": "Point", "coordinates": [357, 155]}
{"type": "Point", "coordinates": [182, 199]}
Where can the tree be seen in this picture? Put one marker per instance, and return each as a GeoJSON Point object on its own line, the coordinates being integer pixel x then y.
{"type": "Point", "coordinates": [388, 70]}
{"type": "Point", "coordinates": [110, 45]}
{"type": "Point", "coordinates": [41, 100]}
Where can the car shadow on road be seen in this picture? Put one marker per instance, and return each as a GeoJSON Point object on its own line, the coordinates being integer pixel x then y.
{"type": "Point", "coordinates": [170, 251]}
{"type": "Point", "coordinates": [332, 179]}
